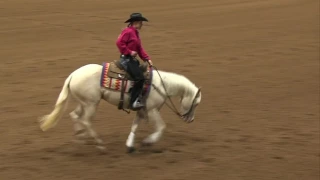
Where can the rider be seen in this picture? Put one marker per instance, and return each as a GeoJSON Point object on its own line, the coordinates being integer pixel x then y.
{"type": "Point", "coordinates": [129, 45]}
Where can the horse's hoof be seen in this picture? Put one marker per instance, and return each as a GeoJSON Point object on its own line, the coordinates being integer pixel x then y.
{"type": "Point", "coordinates": [131, 149]}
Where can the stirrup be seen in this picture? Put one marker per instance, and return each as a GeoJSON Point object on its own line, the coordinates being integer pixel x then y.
{"type": "Point", "coordinates": [137, 104]}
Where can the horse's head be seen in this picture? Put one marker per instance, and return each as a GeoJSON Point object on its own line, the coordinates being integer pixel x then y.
{"type": "Point", "coordinates": [189, 104]}
{"type": "Point", "coordinates": [180, 86]}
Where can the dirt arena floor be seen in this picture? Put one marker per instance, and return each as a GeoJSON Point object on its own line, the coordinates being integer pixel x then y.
{"type": "Point", "coordinates": [257, 61]}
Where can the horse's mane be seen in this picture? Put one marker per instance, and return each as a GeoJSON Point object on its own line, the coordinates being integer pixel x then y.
{"type": "Point", "coordinates": [179, 80]}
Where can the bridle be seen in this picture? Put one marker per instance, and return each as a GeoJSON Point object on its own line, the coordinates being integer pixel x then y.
{"type": "Point", "coordinates": [173, 107]}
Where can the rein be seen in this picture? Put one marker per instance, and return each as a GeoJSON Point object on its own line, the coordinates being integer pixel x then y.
{"type": "Point", "coordinates": [173, 108]}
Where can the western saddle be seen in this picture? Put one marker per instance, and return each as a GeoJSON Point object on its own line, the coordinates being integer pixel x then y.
{"type": "Point", "coordinates": [117, 71]}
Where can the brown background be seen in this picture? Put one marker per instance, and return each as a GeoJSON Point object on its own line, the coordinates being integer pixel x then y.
{"type": "Point", "coordinates": [257, 61]}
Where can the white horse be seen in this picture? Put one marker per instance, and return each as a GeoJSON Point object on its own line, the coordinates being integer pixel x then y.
{"type": "Point", "coordinates": [84, 85]}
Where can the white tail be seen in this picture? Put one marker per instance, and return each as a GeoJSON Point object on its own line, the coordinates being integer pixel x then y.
{"type": "Point", "coordinates": [50, 120]}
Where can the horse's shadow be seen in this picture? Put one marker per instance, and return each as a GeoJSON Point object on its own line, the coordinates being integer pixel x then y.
{"type": "Point", "coordinates": [115, 146]}
{"type": "Point", "coordinates": [144, 149]}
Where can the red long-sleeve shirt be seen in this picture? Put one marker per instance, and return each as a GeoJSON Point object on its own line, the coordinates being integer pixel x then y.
{"type": "Point", "coordinates": [129, 41]}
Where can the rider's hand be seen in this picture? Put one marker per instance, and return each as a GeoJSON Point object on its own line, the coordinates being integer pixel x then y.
{"type": "Point", "coordinates": [133, 53]}
{"type": "Point", "coordinates": [150, 63]}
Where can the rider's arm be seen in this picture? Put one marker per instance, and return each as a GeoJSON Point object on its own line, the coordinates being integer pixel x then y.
{"type": "Point", "coordinates": [122, 43]}
{"type": "Point", "coordinates": [142, 53]}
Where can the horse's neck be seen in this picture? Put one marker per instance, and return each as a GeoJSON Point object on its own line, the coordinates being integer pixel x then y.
{"type": "Point", "coordinates": [177, 85]}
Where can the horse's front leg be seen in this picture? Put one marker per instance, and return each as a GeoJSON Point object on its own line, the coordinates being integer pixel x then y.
{"type": "Point", "coordinates": [134, 127]}
{"type": "Point", "coordinates": [160, 125]}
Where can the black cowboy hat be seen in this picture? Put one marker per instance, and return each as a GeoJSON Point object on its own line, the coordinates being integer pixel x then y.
{"type": "Point", "coordinates": [136, 17]}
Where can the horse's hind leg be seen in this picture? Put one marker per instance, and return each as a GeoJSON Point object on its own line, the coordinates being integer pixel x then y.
{"type": "Point", "coordinates": [80, 129]}
{"type": "Point", "coordinates": [89, 111]}
{"type": "Point", "coordinates": [77, 113]}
